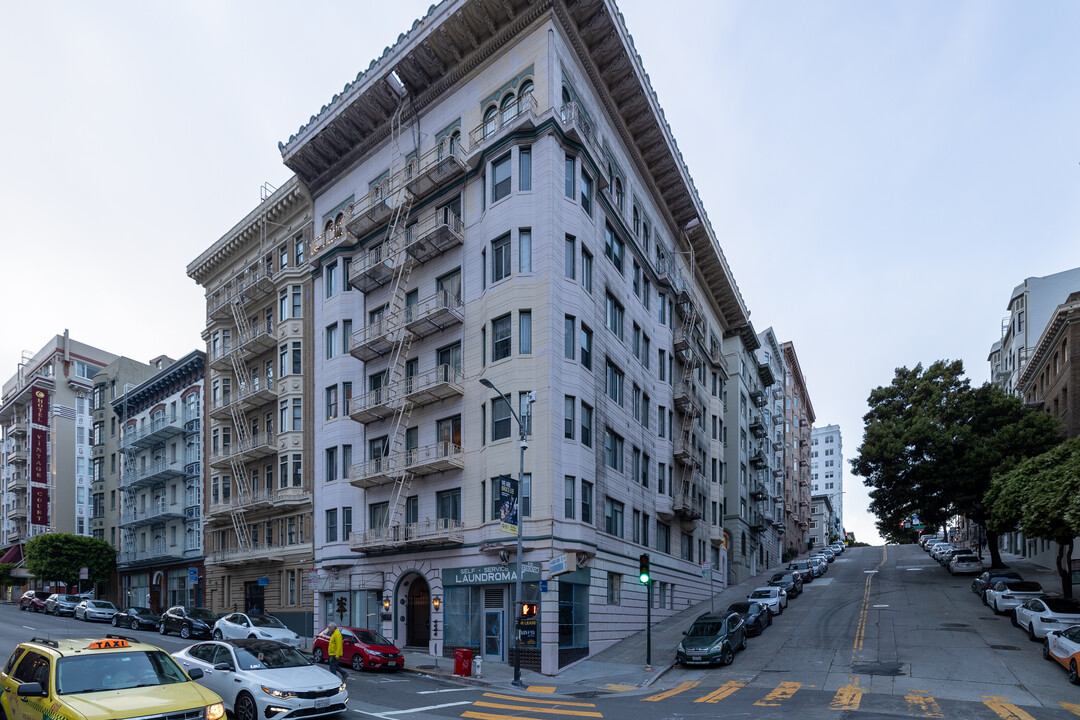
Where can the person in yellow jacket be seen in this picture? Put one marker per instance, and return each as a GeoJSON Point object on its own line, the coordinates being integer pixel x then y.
{"type": "Point", "coordinates": [335, 650]}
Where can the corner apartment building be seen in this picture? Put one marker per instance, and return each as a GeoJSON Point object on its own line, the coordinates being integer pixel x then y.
{"type": "Point", "coordinates": [498, 196]}
{"type": "Point", "coordinates": [798, 423]}
{"type": "Point", "coordinates": [822, 521]}
{"type": "Point", "coordinates": [827, 470]}
{"type": "Point", "coordinates": [161, 484]}
{"type": "Point", "coordinates": [47, 429]}
{"type": "Point", "coordinates": [258, 411]}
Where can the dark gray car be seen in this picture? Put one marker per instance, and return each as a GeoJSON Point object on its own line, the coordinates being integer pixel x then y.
{"type": "Point", "coordinates": [713, 638]}
{"type": "Point", "coordinates": [58, 604]}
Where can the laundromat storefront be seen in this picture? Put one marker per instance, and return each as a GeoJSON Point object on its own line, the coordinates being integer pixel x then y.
{"type": "Point", "coordinates": [478, 612]}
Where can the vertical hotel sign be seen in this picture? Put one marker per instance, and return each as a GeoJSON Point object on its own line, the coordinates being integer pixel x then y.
{"type": "Point", "coordinates": [39, 457]}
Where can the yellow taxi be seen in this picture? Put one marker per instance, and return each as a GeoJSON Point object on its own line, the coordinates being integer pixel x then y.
{"type": "Point", "coordinates": [110, 678]}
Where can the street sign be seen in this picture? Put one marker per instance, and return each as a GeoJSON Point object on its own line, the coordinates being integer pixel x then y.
{"type": "Point", "coordinates": [193, 575]}
{"type": "Point", "coordinates": [264, 581]}
{"type": "Point", "coordinates": [706, 571]}
{"type": "Point", "coordinates": [313, 579]}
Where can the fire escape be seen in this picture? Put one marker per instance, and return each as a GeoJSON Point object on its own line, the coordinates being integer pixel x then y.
{"type": "Point", "coordinates": [689, 495]}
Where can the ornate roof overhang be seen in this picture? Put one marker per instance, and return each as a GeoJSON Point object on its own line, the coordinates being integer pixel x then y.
{"type": "Point", "coordinates": [182, 373]}
{"type": "Point", "coordinates": [452, 40]}
{"type": "Point", "coordinates": [1066, 314]}
{"type": "Point", "coordinates": [800, 383]}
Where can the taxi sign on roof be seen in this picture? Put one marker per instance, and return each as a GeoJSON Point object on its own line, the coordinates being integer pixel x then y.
{"type": "Point", "coordinates": [108, 644]}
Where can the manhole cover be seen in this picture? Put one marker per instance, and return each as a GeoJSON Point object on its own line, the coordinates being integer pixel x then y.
{"type": "Point", "coordinates": [1004, 647]}
{"type": "Point", "coordinates": [878, 668]}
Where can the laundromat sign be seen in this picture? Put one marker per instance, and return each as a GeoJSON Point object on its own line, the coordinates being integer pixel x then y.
{"type": "Point", "coordinates": [490, 575]}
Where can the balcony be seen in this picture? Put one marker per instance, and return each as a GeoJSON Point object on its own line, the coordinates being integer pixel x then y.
{"type": "Point", "coordinates": [757, 427]}
{"type": "Point", "coordinates": [17, 454]}
{"type": "Point", "coordinates": [375, 267]}
{"type": "Point", "coordinates": [17, 429]}
{"type": "Point", "coordinates": [377, 471]}
{"type": "Point", "coordinates": [333, 235]}
{"type": "Point", "coordinates": [438, 457]}
{"type": "Point", "coordinates": [687, 503]}
{"type": "Point", "coordinates": [159, 471]}
{"type": "Point", "coordinates": [376, 208]}
{"type": "Point", "coordinates": [251, 284]}
{"type": "Point", "coordinates": [758, 396]}
{"type": "Point", "coordinates": [157, 512]}
{"type": "Point", "coordinates": [758, 491]}
{"type": "Point", "coordinates": [436, 168]}
{"type": "Point", "coordinates": [156, 553]}
{"type": "Point", "coordinates": [757, 522]}
{"type": "Point", "coordinates": [522, 114]}
{"type": "Point", "coordinates": [156, 432]}
{"type": "Point", "coordinates": [371, 406]}
{"type": "Point", "coordinates": [433, 234]}
{"type": "Point", "coordinates": [716, 537]}
{"type": "Point", "coordinates": [18, 511]}
{"type": "Point", "coordinates": [375, 340]}
{"type": "Point", "coordinates": [253, 500]}
{"type": "Point", "coordinates": [439, 383]}
{"type": "Point", "coordinates": [258, 553]}
{"type": "Point", "coordinates": [685, 451]}
{"type": "Point", "coordinates": [686, 400]}
{"type": "Point", "coordinates": [441, 531]}
{"type": "Point", "coordinates": [758, 459]}
{"type": "Point", "coordinates": [434, 313]}
{"type": "Point", "coordinates": [255, 447]}
{"type": "Point", "coordinates": [578, 126]}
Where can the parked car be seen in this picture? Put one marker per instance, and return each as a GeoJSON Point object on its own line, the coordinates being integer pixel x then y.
{"type": "Point", "coordinates": [95, 610]}
{"type": "Point", "coordinates": [805, 570]}
{"type": "Point", "coordinates": [770, 595]}
{"type": "Point", "coordinates": [255, 676]}
{"type": "Point", "coordinates": [58, 604]}
{"type": "Point", "coordinates": [790, 581]}
{"type": "Point", "coordinates": [34, 600]}
{"type": "Point", "coordinates": [927, 540]}
{"type": "Point", "coordinates": [136, 617]}
{"type": "Point", "coordinates": [756, 616]}
{"type": "Point", "coordinates": [361, 648]}
{"type": "Point", "coordinates": [828, 553]}
{"type": "Point", "coordinates": [1007, 594]}
{"type": "Point", "coordinates": [964, 562]}
{"type": "Point", "coordinates": [837, 548]}
{"type": "Point", "coordinates": [947, 556]}
{"type": "Point", "coordinates": [187, 621]}
{"type": "Point", "coordinates": [938, 549]}
{"type": "Point", "coordinates": [265, 627]}
{"type": "Point", "coordinates": [818, 564]}
{"type": "Point", "coordinates": [990, 577]}
{"type": "Point", "coordinates": [1063, 647]}
{"type": "Point", "coordinates": [1041, 615]}
{"type": "Point", "coordinates": [712, 638]}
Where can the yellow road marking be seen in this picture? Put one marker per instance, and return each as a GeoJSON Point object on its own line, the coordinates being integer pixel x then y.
{"type": "Point", "coordinates": [490, 716]}
{"type": "Point", "coordinates": [847, 698]}
{"type": "Point", "coordinates": [1071, 707]}
{"type": "Point", "coordinates": [1004, 708]}
{"type": "Point", "coordinates": [681, 687]}
{"type": "Point", "coordinates": [783, 691]}
{"type": "Point", "coordinates": [620, 688]}
{"type": "Point", "coordinates": [550, 711]}
{"type": "Point", "coordinates": [717, 695]}
{"type": "Point", "coordinates": [923, 705]}
{"type": "Point", "coordinates": [860, 629]}
{"type": "Point", "coordinates": [538, 700]}
{"type": "Point", "coordinates": [540, 688]}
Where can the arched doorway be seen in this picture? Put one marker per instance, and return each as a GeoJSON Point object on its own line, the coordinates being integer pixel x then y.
{"type": "Point", "coordinates": [157, 593]}
{"type": "Point", "coordinates": [418, 613]}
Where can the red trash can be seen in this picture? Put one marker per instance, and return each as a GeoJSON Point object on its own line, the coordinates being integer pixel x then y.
{"type": "Point", "coordinates": [463, 662]}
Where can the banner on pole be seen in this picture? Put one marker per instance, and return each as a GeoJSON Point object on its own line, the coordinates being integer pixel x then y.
{"type": "Point", "coordinates": [508, 504]}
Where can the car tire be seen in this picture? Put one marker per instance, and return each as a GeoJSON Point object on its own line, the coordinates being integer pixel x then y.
{"type": "Point", "coordinates": [985, 602]}
{"type": "Point", "coordinates": [115, 622]}
{"type": "Point", "coordinates": [1012, 619]}
{"type": "Point", "coordinates": [1074, 676]}
{"type": "Point", "coordinates": [317, 656]}
{"type": "Point", "coordinates": [1031, 632]}
{"type": "Point", "coordinates": [1046, 650]}
{"type": "Point", "coordinates": [996, 609]}
{"type": "Point", "coordinates": [244, 707]}
{"type": "Point", "coordinates": [218, 635]}
{"type": "Point", "coordinates": [742, 645]}
{"type": "Point", "coordinates": [185, 631]}
{"type": "Point", "coordinates": [728, 656]}
{"type": "Point", "coordinates": [162, 629]}
{"type": "Point", "coordinates": [134, 623]}
{"type": "Point", "coordinates": [56, 611]}
{"type": "Point", "coordinates": [779, 609]}
{"type": "Point", "coordinates": [357, 662]}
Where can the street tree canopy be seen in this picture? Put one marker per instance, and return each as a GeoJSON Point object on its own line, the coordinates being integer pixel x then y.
{"type": "Point", "coordinates": [60, 556]}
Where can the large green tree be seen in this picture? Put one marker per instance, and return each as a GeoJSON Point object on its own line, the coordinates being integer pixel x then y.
{"type": "Point", "coordinates": [59, 556]}
{"type": "Point", "coordinates": [932, 444]}
{"type": "Point", "coordinates": [1039, 496]}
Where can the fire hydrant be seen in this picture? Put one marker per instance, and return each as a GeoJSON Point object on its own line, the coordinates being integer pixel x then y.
{"type": "Point", "coordinates": [477, 666]}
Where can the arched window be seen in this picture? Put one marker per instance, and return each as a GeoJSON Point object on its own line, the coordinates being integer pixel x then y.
{"type": "Point", "coordinates": [565, 95]}
{"type": "Point", "coordinates": [338, 230]}
{"type": "Point", "coordinates": [525, 96]}
{"type": "Point", "coordinates": [329, 225]}
{"type": "Point", "coordinates": [509, 108]}
{"type": "Point", "coordinates": [637, 221]}
{"type": "Point", "coordinates": [618, 193]}
{"type": "Point", "coordinates": [489, 120]}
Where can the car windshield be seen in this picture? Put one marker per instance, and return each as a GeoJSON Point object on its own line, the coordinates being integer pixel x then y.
{"type": "Point", "coordinates": [705, 629]}
{"type": "Point", "coordinates": [740, 607]}
{"type": "Point", "coordinates": [964, 558]}
{"type": "Point", "coordinates": [70, 598]}
{"type": "Point", "coordinates": [139, 611]}
{"type": "Point", "coordinates": [271, 657]}
{"type": "Point", "coordinates": [780, 578]}
{"type": "Point", "coordinates": [761, 594]}
{"type": "Point", "coordinates": [102, 604]}
{"type": "Point", "coordinates": [372, 638]}
{"type": "Point", "coordinates": [116, 671]}
{"type": "Point", "coordinates": [201, 614]}
{"type": "Point", "coordinates": [1023, 586]}
{"type": "Point", "coordinates": [1065, 606]}
{"type": "Point", "coordinates": [266, 621]}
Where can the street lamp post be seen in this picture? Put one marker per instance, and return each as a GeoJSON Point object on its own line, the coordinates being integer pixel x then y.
{"type": "Point", "coordinates": [523, 432]}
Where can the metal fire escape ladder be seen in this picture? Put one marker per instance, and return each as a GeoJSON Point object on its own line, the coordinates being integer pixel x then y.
{"type": "Point", "coordinates": [242, 382]}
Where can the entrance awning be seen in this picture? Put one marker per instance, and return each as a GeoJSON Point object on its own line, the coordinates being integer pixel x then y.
{"type": "Point", "coordinates": [13, 555]}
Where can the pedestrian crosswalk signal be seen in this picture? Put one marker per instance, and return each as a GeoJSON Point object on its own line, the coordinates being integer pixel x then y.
{"type": "Point", "coordinates": [643, 569]}
{"type": "Point", "coordinates": [528, 610]}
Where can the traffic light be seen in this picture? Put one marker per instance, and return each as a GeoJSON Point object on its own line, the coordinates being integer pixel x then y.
{"type": "Point", "coordinates": [528, 610]}
{"type": "Point", "coordinates": [643, 569]}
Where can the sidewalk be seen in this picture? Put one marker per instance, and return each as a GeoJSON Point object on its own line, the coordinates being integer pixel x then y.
{"type": "Point", "coordinates": [618, 668]}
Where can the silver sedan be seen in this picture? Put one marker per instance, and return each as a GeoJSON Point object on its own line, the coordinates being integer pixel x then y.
{"type": "Point", "coordinates": [102, 610]}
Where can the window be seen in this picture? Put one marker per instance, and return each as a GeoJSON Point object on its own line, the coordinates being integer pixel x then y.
{"type": "Point", "coordinates": [331, 341]}
{"type": "Point", "coordinates": [569, 164]}
{"type": "Point", "coordinates": [378, 514]}
{"type": "Point", "coordinates": [569, 421]}
{"type": "Point", "coordinates": [586, 270]}
{"type": "Point", "coordinates": [331, 464]}
{"type": "Point", "coordinates": [662, 362]}
{"type": "Point", "coordinates": [613, 450]}
{"type": "Point", "coordinates": [586, 424]}
{"type": "Point", "coordinates": [569, 257]}
{"type": "Point", "coordinates": [500, 419]}
{"type": "Point", "coordinates": [614, 316]}
{"type": "Point", "coordinates": [448, 505]}
{"type": "Point", "coordinates": [346, 461]}
{"type": "Point", "coordinates": [586, 346]}
{"type": "Point", "coordinates": [298, 248]}
{"type": "Point", "coordinates": [297, 417]}
{"type": "Point", "coordinates": [346, 522]}
{"type": "Point", "coordinates": [614, 581]}
{"type": "Point", "coordinates": [618, 194]}
{"type": "Point", "coordinates": [330, 279]}
{"type": "Point", "coordinates": [660, 425]}
{"type": "Point", "coordinates": [586, 502]}
{"type": "Point", "coordinates": [568, 337]}
{"type": "Point", "coordinates": [296, 359]}
{"type": "Point", "coordinates": [331, 525]}
{"type": "Point", "coordinates": [500, 338]}
{"type": "Point", "coordinates": [586, 192]}
{"type": "Point", "coordinates": [613, 517]}
{"type": "Point", "coordinates": [296, 311]}
{"type": "Point", "coordinates": [331, 402]}
{"type": "Point", "coordinates": [524, 250]}
{"type": "Point", "coordinates": [500, 259]}
{"type": "Point", "coordinates": [525, 491]}
{"type": "Point", "coordinates": [525, 169]}
{"type": "Point", "coordinates": [614, 248]}
{"type": "Point", "coordinates": [346, 334]}
{"type": "Point", "coordinates": [614, 383]}
{"type": "Point", "coordinates": [500, 178]}
{"type": "Point", "coordinates": [663, 537]}
{"type": "Point", "coordinates": [525, 332]}
{"type": "Point", "coordinates": [569, 485]}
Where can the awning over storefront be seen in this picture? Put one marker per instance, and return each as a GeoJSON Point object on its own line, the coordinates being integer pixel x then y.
{"type": "Point", "coordinates": [13, 555]}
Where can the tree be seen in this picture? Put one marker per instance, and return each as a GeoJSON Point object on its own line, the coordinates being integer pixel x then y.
{"type": "Point", "coordinates": [6, 578]}
{"type": "Point", "coordinates": [1039, 495]}
{"type": "Point", "coordinates": [60, 556]}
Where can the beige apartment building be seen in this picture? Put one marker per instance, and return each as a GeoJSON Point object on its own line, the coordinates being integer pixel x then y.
{"type": "Point", "coordinates": [798, 426]}
{"type": "Point", "coordinates": [258, 411]}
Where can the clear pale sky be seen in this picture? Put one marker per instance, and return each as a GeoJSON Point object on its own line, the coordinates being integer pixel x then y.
{"type": "Point", "coordinates": [880, 174]}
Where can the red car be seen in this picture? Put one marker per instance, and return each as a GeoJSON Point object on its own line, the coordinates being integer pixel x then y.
{"type": "Point", "coordinates": [363, 649]}
{"type": "Point", "coordinates": [34, 600]}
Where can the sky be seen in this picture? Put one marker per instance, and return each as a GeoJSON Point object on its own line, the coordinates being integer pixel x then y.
{"type": "Point", "coordinates": [880, 175]}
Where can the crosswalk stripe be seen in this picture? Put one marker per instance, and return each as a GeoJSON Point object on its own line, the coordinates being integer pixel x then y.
{"type": "Point", "coordinates": [517, 698]}
{"type": "Point", "coordinates": [491, 716]}
{"type": "Point", "coordinates": [681, 687]}
{"type": "Point", "coordinates": [923, 705]}
{"type": "Point", "coordinates": [1004, 708]}
{"type": "Point", "coordinates": [1071, 707]}
{"type": "Point", "coordinates": [550, 711]}
{"type": "Point", "coordinates": [847, 698]}
{"type": "Point", "coordinates": [540, 688]}
{"type": "Point", "coordinates": [783, 691]}
{"type": "Point", "coordinates": [725, 690]}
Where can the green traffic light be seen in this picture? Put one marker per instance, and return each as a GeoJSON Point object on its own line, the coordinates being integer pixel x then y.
{"type": "Point", "coordinates": [643, 578]}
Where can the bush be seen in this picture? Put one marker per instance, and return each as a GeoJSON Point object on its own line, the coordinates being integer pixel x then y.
{"type": "Point", "coordinates": [790, 554]}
